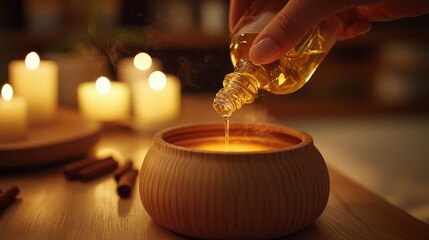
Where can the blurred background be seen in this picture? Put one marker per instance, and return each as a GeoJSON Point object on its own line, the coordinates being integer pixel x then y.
{"type": "Point", "coordinates": [366, 106]}
{"type": "Point", "coordinates": [383, 71]}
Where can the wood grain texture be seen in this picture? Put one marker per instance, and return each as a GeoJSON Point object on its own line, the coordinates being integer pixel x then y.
{"type": "Point", "coordinates": [50, 207]}
{"type": "Point", "coordinates": [220, 195]}
{"type": "Point", "coordinates": [356, 213]}
{"type": "Point", "coordinates": [68, 135]}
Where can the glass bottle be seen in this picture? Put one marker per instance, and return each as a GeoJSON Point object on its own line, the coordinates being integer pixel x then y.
{"type": "Point", "coordinates": [285, 75]}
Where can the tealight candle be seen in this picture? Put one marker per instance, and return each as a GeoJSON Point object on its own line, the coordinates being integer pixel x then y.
{"type": "Point", "coordinates": [13, 115]}
{"type": "Point", "coordinates": [156, 100]}
{"type": "Point", "coordinates": [104, 100]}
{"type": "Point", "coordinates": [37, 82]}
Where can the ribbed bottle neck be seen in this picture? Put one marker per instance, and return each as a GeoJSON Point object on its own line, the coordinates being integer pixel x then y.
{"type": "Point", "coordinates": [239, 88]}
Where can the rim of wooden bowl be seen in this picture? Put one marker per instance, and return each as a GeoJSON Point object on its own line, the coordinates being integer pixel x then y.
{"type": "Point", "coordinates": [169, 136]}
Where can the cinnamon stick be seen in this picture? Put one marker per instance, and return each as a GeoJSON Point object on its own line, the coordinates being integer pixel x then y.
{"type": "Point", "coordinates": [122, 170]}
{"type": "Point", "coordinates": [71, 170]}
{"type": "Point", "coordinates": [97, 169]}
{"type": "Point", "coordinates": [126, 183]}
{"type": "Point", "coordinates": [8, 196]}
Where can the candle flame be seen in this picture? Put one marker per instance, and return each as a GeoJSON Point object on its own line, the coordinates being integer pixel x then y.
{"type": "Point", "coordinates": [157, 80]}
{"type": "Point", "coordinates": [142, 61]}
{"type": "Point", "coordinates": [7, 92]}
{"type": "Point", "coordinates": [32, 61]}
{"type": "Point", "coordinates": [103, 85]}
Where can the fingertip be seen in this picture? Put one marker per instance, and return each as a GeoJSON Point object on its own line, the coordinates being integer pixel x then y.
{"type": "Point", "coordinates": [264, 51]}
{"type": "Point", "coordinates": [281, 33]}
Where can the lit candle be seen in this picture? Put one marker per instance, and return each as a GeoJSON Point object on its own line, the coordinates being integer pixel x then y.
{"type": "Point", "coordinates": [104, 100]}
{"type": "Point", "coordinates": [13, 115]}
{"type": "Point", "coordinates": [37, 82]}
{"type": "Point", "coordinates": [139, 67]}
{"type": "Point", "coordinates": [156, 100]}
{"type": "Point", "coordinates": [131, 70]}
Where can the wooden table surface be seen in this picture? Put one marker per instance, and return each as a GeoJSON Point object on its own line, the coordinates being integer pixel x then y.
{"type": "Point", "coordinates": [51, 207]}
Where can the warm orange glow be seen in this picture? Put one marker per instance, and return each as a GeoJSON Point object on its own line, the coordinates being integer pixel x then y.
{"type": "Point", "coordinates": [236, 144]}
{"type": "Point", "coordinates": [32, 61]}
{"type": "Point", "coordinates": [7, 92]}
{"type": "Point", "coordinates": [232, 147]}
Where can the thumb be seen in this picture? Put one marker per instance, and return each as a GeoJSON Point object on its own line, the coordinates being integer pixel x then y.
{"type": "Point", "coordinates": [290, 24]}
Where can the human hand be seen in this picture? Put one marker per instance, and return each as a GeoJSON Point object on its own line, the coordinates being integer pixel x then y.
{"type": "Point", "coordinates": [298, 16]}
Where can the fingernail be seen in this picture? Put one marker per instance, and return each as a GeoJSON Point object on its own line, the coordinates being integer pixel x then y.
{"type": "Point", "coordinates": [263, 51]}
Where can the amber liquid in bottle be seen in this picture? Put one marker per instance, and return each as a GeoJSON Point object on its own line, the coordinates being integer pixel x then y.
{"type": "Point", "coordinates": [226, 123]}
{"type": "Point", "coordinates": [283, 76]}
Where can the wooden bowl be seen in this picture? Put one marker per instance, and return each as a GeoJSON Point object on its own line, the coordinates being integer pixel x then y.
{"type": "Point", "coordinates": [267, 193]}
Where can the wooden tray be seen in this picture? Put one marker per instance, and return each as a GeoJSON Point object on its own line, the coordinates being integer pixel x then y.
{"type": "Point", "coordinates": [68, 136]}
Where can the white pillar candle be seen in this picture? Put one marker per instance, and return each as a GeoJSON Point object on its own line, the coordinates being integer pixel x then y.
{"type": "Point", "coordinates": [104, 101]}
{"type": "Point", "coordinates": [131, 70]}
{"type": "Point", "coordinates": [37, 82]}
{"type": "Point", "coordinates": [156, 100]}
{"type": "Point", "coordinates": [13, 115]}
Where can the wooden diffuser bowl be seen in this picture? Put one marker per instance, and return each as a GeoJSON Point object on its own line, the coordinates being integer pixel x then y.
{"type": "Point", "coordinates": [234, 195]}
